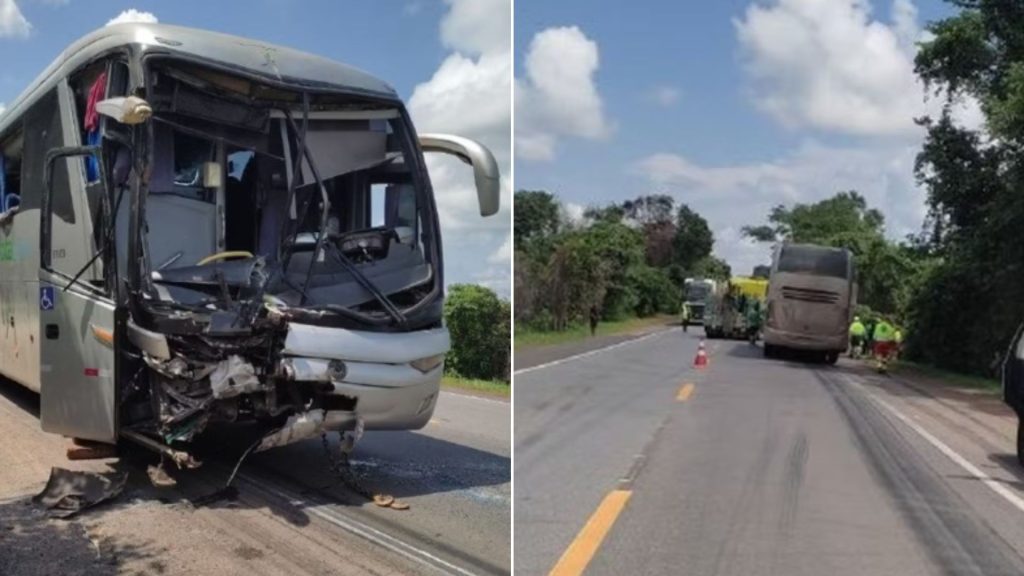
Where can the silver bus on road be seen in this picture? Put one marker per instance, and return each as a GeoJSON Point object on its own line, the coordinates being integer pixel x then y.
{"type": "Point", "coordinates": [811, 298]}
{"type": "Point", "coordinates": [199, 228]}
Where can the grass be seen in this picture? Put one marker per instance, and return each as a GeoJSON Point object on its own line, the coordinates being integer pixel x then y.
{"type": "Point", "coordinates": [946, 377]}
{"type": "Point", "coordinates": [529, 338]}
{"type": "Point", "coordinates": [485, 387]}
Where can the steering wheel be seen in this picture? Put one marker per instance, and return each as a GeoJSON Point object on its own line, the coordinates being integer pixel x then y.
{"type": "Point", "coordinates": [224, 256]}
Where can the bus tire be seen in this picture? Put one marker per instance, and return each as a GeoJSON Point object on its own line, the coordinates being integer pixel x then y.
{"type": "Point", "coordinates": [770, 351]}
{"type": "Point", "coordinates": [831, 357]}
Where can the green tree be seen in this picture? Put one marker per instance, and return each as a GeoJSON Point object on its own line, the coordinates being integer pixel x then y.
{"type": "Point", "coordinates": [713, 268]}
{"type": "Point", "coordinates": [655, 291]}
{"type": "Point", "coordinates": [693, 240]}
{"type": "Point", "coordinates": [536, 217]}
{"type": "Point", "coordinates": [965, 309]}
{"type": "Point", "coordinates": [478, 323]}
{"type": "Point", "coordinates": [842, 220]}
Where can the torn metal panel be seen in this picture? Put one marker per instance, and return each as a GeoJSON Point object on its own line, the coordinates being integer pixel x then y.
{"type": "Point", "coordinates": [307, 425]}
{"type": "Point", "coordinates": [69, 492]}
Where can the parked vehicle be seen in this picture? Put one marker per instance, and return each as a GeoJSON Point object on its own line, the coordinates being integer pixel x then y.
{"type": "Point", "coordinates": [695, 294]}
{"type": "Point", "coordinates": [728, 306]}
{"type": "Point", "coordinates": [1013, 385]}
{"type": "Point", "coordinates": [199, 227]}
{"type": "Point", "coordinates": [811, 298]}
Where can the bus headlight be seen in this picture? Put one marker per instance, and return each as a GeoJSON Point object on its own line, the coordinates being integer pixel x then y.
{"type": "Point", "coordinates": [427, 364]}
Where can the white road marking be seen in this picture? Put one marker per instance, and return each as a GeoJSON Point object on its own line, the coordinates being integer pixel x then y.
{"type": "Point", "coordinates": [358, 528]}
{"type": "Point", "coordinates": [953, 455]}
{"type": "Point", "coordinates": [590, 353]}
{"type": "Point", "coordinates": [474, 397]}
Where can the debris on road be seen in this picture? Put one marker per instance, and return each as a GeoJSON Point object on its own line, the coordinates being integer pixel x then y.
{"type": "Point", "coordinates": [69, 492]}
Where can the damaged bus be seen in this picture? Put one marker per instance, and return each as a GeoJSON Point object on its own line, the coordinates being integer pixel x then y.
{"type": "Point", "coordinates": [200, 228]}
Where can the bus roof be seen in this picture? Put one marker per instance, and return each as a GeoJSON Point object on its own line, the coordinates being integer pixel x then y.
{"type": "Point", "coordinates": [275, 63]}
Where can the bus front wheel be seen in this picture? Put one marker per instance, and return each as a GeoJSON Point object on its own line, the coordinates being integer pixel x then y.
{"type": "Point", "coordinates": [831, 357]}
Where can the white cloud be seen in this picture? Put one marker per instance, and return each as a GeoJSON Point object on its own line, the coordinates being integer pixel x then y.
{"type": "Point", "coordinates": [503, 254]}
{"type": "Point", "coordinates": [664, 95]}
{"type": "Point", "coordinates": [133, 15]}
{"type": "Point", "coordinates": [12, 22]}
{"type": "Point", "coordinates": [470, 94]}
{"type": "Point", "coordinates": [828, 65]}
{"type": "Point", "coordinates": [2, 108]}
{"type": "Point", "coordinates": [558, 97]}
{"type": "Point", "coordinates": [819, 66]}
{"type": "Point", "coordinates": [883, 174]}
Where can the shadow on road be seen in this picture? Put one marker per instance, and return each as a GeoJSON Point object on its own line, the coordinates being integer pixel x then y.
{"type": "Point", "coordinates": [404, 464]}
{"type": "Point", "coordinates": [32, 544]}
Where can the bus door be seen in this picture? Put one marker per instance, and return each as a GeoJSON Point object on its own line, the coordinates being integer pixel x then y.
{"type": "Point", "coordinates": [76, 310]}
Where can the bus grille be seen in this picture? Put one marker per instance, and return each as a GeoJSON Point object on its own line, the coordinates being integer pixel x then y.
{"type": "Point", "coordinates": [809, 295]}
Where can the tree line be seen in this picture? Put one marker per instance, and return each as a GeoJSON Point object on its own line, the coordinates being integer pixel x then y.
{"type": "Point", "coordinates": [957, 286]}
{"type": "Point", "coordinates": [624, 259]}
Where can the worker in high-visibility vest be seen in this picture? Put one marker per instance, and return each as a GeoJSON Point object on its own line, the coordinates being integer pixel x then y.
{"type": "Point", "coordinates": [885, 344]}
{"type": "Point", "coordinates": [858, 335]}
{"type": "Point", "coordinates": [686, 316]}
{"type": "Point", "coordinates": [897, 337]}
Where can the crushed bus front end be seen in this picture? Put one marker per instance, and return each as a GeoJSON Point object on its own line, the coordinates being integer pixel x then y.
{"type": "Point", "coordinates": [282, 260]}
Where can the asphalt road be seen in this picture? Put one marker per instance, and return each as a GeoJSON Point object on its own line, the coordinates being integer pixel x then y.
{"type": "Point", "coordinates": [290, 515]}
{"type": "Point", "coordinates": [629, 461]}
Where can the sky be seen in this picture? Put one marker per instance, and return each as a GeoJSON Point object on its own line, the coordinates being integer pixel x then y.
{"type": "Point", "coordinates": [731, 107]}
{"type": "Point", "coordinates": [450, 60]}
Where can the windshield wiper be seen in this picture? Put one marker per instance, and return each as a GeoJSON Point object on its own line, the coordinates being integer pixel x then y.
{"type": "Point", "coordinates": [347, 264]}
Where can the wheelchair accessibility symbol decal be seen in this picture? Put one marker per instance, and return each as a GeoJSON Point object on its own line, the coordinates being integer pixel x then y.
{"type": "Point", "coordinates": [47, 298]}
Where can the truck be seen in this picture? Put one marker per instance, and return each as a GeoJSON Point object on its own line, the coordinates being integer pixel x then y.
{"type": "Point", "coordinates": [726, 307]}
{"type": "Point", "coordinates": [695, 294]}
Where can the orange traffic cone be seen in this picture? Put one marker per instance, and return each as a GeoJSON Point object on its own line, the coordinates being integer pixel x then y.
{"type": "Point", "coordinates": [701, 361]}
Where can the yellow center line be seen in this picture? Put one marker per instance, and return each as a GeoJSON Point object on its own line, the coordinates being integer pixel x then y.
{"type": "Point", "coordinates": [576, 557]}
{"type": "Point", "coordinates": [685, 391]}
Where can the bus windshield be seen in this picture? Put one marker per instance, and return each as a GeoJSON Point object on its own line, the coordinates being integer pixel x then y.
{"type": "Point", "coordinates": [697, 292]}
{"type": "Point", "coordinates": [814, 260]}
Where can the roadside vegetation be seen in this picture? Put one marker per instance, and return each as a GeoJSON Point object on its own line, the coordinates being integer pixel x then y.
{"type": "Point", "coordinates": [526, 338]}
{"type": "Point", "coordinates": [479, 324]}
{"type": "Point", "coordinates": [628, 260]}
{"type": "Point", "coordinates": [956, 287]}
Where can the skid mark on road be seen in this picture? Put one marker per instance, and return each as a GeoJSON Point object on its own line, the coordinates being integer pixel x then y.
{"type": "Point", "coordinates": [958, 541]}
{"type": "Point", "coordinates": [953, 455]}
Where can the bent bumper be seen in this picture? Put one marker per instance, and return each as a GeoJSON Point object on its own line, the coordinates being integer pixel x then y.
{"type": "Point", "coordinates": [389, 392]}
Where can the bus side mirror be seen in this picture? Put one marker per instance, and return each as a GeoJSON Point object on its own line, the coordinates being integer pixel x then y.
{"type": "Point", "coordinates": [485, 167]}
{"type": "Point", "coordinates": [125, 109]}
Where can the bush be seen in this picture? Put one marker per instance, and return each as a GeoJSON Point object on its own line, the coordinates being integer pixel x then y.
{"type": "Point", "coordinates": [479, 325]}
{"type": "Point", "coordinates": [655, 292]}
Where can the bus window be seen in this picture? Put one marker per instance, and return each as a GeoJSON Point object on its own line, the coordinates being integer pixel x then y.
{"type": "Point", "coordinates": [818, 261]}
{"type": "Point", "coordinates": [10, 173]}
{"type": "Point", "coordinates": [43, 132]}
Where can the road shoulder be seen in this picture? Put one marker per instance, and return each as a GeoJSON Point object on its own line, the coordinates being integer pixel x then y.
{"type": "Point", "coordinates": [526, 357]}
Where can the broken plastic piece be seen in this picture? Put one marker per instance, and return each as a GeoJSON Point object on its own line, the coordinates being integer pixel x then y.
{"type": "Point", "coordinates": [68, 492]}
{"type": "Point", "coordinates": [232, 377]}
